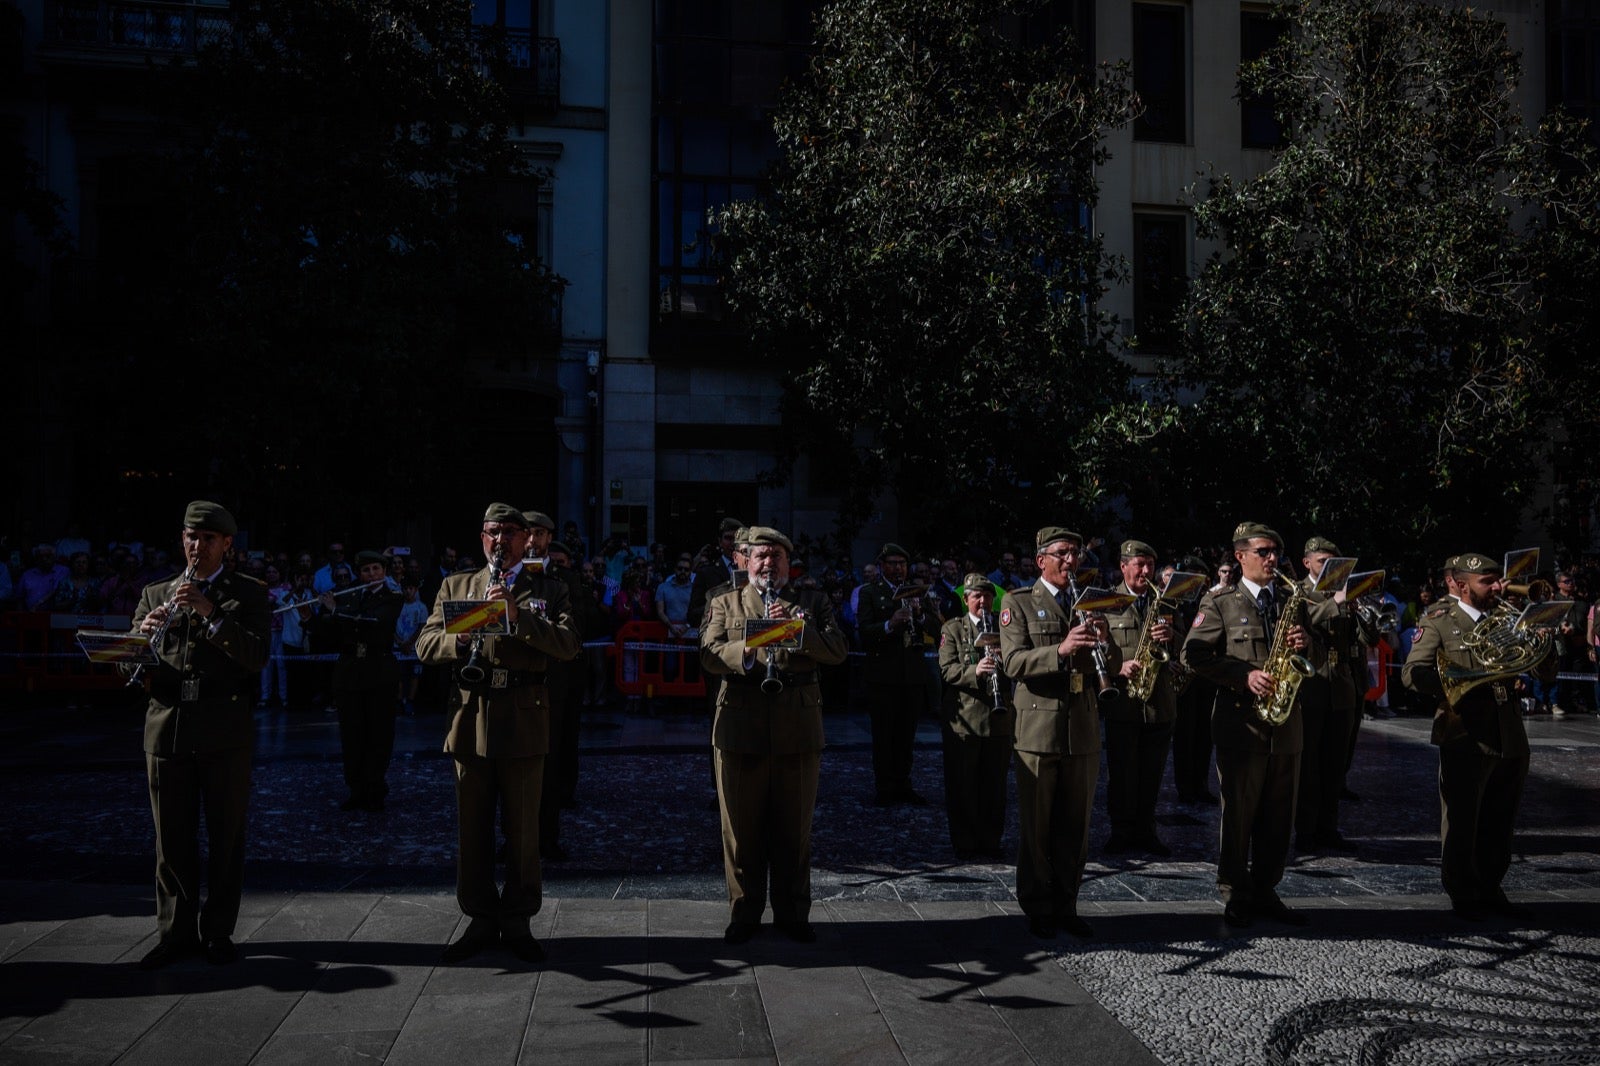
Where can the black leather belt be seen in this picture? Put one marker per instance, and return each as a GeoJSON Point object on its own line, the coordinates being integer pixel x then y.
{"type": "Point", "coordinates": [194, 689]}
{"type": "Point", "coordinates": [758, 674]}
{"type": "Point", "coordinates": [495, 679]}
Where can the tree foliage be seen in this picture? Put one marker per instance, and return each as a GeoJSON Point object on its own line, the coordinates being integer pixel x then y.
{"type": "Point", "coordinates": [923, 259]}
{"type": "Point", "coordinates": [343, 240]}
{"type": "Point", "coordinates": [1375, 342]}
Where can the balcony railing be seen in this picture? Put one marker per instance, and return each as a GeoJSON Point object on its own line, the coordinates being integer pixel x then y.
{"type": "Point", "coordinates": [136, 25]}
{"type": "Point", "coordinates": [530, 66]}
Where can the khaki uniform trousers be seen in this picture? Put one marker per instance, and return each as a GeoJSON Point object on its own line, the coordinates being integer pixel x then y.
{"type": "Point", "coordinates": [766, 803]}
{"type": "Point", "coordinates": [1479, 795]}
{"type": "Point", "coordinates": [180, 786]}
{"type": "Point", "coordinates": [512, 786]}
{"type": "Point", "coordinates": [1055, 794]}
{"type": "Point", "coordinates": [1258, 791]}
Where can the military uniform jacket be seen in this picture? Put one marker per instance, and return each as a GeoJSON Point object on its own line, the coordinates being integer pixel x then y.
{"type": "Point", "coordinates": [514, 721]}
{"type": "Point", "coordinates": [202, 693]}
{"type": "Point", "coordinates": [1127, 629]}
{"type": "Point", "coordinates": [1335, 651]}
{"type": "Point", "coordinates": [710, 579]}
{"type": "Point", "coordinates": [968, 699]}
{"type": "Point", "coordinates": [748, 720]}
{"type": "Point", "coordinates": [893, 658]}
{"type": "Point", "coordinates": [363, 632]}
{"type": "Point", "coordinates": [1489, 715]}
{"type": "Point", "coordinates": [1056, 702]}
{"type": "Point", "coordinates": [1228, 640]}
{"type": "Point", "coordinates": [566, 675]}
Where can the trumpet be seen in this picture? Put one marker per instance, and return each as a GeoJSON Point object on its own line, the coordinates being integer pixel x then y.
{"type": "Point", "coordinates": [471, 671]}
{"type": "Point", "coordinates": [1110, 695]}
{"type": "Point", "coordinates": [341, 592]}
{"type": "Point", "coordinates": [772, 684]}
{"type": "Point", "coordinates": [1377, 613]}
{"type": "Point", "coordinates": [171, 608]}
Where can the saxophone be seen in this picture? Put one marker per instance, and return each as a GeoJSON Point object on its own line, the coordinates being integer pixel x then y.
{"type": "Point", "coordinates": [1288, 668]}
{"type": "Point", "coordinates": [1151, 655]}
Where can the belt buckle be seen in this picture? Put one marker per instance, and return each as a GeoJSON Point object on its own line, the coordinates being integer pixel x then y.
{"type": "Point", "coordinates": [499, 678]}
{"type": "Point", "coordinates": [361, 651]}
{"type": "Point", "coordinates": [1333, 658]}
{"type": "Point", "coordinates": [189, 690]}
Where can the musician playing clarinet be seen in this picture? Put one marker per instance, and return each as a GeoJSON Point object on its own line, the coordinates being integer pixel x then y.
{"type": "Point", "coordinates": [212, 629]}
{"type": "Point", "coordinates": [1052, 654]}
{"type": "Point", "coordinates": [767, 738]}
{"type": "Point", "coordinates": [978, 719]}
{"type": "Point", "coordinates": [499, 707]}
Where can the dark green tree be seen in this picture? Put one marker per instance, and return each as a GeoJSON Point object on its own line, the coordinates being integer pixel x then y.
{"type": "Point", "coordinates": [348, 232]}
{"type": "Point", "coordinates": [924, 263]}
{"type": "Point", "coordinates": [1375, 343]}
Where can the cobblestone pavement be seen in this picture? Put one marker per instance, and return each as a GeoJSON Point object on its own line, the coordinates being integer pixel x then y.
{"type": "Point", "coordinates": [1384, 974]}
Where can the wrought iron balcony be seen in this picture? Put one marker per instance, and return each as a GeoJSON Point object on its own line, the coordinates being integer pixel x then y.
{"type": "Point", "coordinates": [113, 27]}
{"type": "Point", "coordinates": [529, 66]}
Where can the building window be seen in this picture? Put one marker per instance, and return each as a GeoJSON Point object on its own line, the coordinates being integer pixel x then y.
{"type": "Point", "coordinates": [1258, 125]}
{"type": "Point", "coordinates": [1160, 277]}
{"type": "Point", "coordinates": [719, 67]}
{"type": "Point", "coordinates": [1161, 72]}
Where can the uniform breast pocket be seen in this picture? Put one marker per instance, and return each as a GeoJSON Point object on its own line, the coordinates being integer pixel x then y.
{"type": "Point", "coordinates": [1049, 631]}
{"type": "Point", "coordinates": [1249, 637]}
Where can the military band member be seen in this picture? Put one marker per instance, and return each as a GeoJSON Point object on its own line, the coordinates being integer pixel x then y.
{"type": "Point", "coordinates": [977, 727]}
{"type": "Point", "coordinates": [1138, 732]}
{"type": "Point", "coordinates": [895, 625]}
{"type": "Point", "coordinates": [211, 628]}
{"type": "Point", "coordinates": [1191, 732]}
{"type": "Point", "coordinates": [1330, 705]}
{"type": "Point", "coordinates": [1258, 763]}
{"type": "Point", "coordinates": [548, 556]}
{"type": "Point", "coordinates": [499, 732]}
{"type": "Point", "coordinates": [1483, 748]}
{"type": "Point", "coordinates": [1049, 654]}
{"type": "Point", "coordinates": [361, 626]}
{"type": "Point", "coordinates": [768, 739]}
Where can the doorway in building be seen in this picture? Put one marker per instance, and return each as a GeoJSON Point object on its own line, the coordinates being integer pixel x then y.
{"type": "Point", "coordinates": [689, 512]}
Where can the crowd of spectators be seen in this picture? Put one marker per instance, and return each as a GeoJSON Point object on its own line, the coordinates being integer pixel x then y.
{"type": "Point", "coordinates": [75, 575]}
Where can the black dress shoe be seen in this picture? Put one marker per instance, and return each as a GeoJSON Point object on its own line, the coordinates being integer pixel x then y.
{"type": "Point", "coordinates": [373, 805]}
{"type": "Point", "coordinates": [553, 852]}
{"type": "Point", "coordinates": [738, 932]}
{"type": "Point", "coordinates": [219, 951]}
{"type": "Point", "coordinates": [1334, 841]}
{"type": "Point", "coordinates": [913, 797]}
{"type": "Point", "coordinates": [800, 932]}
{"type": "Point", "coordinates": [474, 940]}
{"type": "Point", "coordinates": [1237, 914]}
{"type": "Point", "coordinates": [1469, 910]}
{"type": "Point", "coordinates": [351, 803]}
{"type": "Point", "coordinates": [1043, 928]}
{"type": "Point", "coordinates": [167, 952]}
{"type": "Point", "coordinates": [1503, 906]}
{"type": "Point", "coordinates": [1077, 926]}
{"type": "Point", "coordinates": [1280, 911]}
{"type": "Point", "coordinates": [884, 798]}
{"type": "Point", "coordinates": [524, 947]}
{"type": "Point", "coordinates": [1116, 845]}
{"type": "Point", "coordinates": [1349, 796]}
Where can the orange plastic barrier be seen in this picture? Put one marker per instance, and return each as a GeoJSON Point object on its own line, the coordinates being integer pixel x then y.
{"type": "Point", "coordinates": [39, 652]}
{"type": "Point", "coordinates": [640, 672]}
{"type": "Point", "coordinates": [1381, 685]}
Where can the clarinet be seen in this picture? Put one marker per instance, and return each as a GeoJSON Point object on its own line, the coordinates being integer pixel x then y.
{"type": "Point", "coordinates": [986, 628]}
{"type": "Point", "coordinates": [471, 672]}
{"type": "Point", "coordinates": [136, 678]}
{"type": "Point", "coordinates": [772, 684]}
{"type": "Point", "coordinates": [1109, 693]}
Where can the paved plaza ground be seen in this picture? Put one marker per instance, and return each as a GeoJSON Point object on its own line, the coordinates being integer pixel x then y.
{"type": "Point", "coordinates": [920, 958]}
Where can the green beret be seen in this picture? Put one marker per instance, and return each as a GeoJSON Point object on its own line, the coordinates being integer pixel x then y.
{"type": "Point", "coordinates": [505, 515]}
{"type": "Point", "coordinates": [891, 548]}
{"type": "Point", "coordinates": [539, 520]}
{"type": "Point", "coordinates": [741, 537]}
{"type": "Point", "coordinates": [978, 582]}
{"type": "Point", "coordinates": [1050, 534]}
{"type": "Point", "coordinates": [1450, 563]}
{"type": "Point", "coordinates": [1249, 530]}
{"type": "Point", "coordinates": [1132, 549]}
{"type": "Point", "coordinates": [729, 525]}
{"type": "Point", "coordinates": [767, 535]}
{"type": "Point", "coordinates": [213, 517]}
{"type": "Point", "coordinates": [363, 558]}
{"type": "Point", "coordinates": [1321, 544]}
{"type": "Point", "coordinates": [1477, 563]}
